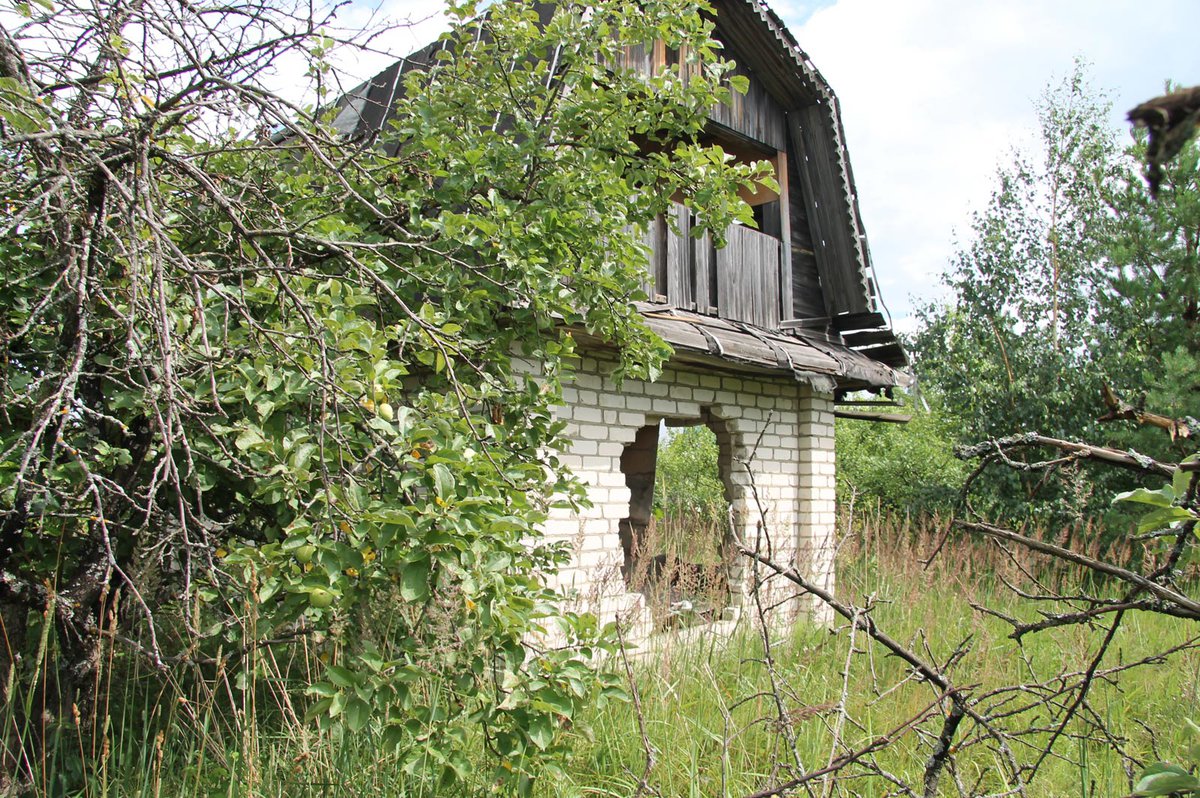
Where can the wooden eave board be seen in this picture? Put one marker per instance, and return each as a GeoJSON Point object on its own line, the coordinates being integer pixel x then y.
{"type": "Point", "coordinates": [831, 212]}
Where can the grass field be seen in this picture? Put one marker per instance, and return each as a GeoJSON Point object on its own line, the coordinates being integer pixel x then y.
{"type": "Point", "coordinates": [711, 716]}
{"type": "Point", "coordinates": [712, 722]}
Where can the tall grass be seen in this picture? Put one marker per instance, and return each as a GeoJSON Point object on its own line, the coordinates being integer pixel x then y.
{"type": "Point", "coordinates": [238, 729]}
{"type": "Point", "coordinates": [714, 727]}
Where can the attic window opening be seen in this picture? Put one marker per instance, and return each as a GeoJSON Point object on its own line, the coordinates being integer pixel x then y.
{"type": "Point", "coordinates": [764, 200]}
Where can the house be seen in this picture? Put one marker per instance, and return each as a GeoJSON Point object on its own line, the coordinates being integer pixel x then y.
{"type": "Point", "coordinates": [768, 331]}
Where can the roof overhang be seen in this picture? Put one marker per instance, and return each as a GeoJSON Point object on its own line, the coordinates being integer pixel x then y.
{"type": "Point", "coordinates": [724, 345]}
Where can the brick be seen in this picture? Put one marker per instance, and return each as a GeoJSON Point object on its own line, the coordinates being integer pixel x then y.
{"type": "Point", "coordinates": [584, 447]}
{"type": "Point", "coordinates": [640, 403]}
{"type": "Point", "coordinates": [588, 415]}
{"type": "Point", "coordinates": [612, 400]}
{"type": "Point", "coordinates": [610, 449]}
{"type": "Point", "coordinates": [622, 434]}
{"type": "Point", "coordinates": [666, 407]}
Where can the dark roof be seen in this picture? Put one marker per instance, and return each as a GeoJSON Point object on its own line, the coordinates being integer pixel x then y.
{"type": "Point", "coordinates": [825, 364]}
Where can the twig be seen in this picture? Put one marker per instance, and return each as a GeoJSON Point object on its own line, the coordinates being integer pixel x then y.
{"type": "Point", "coordinates": [644, 787]}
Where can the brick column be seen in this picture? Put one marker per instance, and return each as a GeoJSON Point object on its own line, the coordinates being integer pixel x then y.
{"type": "Point", "coordinates": [817, 515]}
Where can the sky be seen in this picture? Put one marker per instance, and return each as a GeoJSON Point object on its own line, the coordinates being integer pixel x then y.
{"type": "Point", "coordinates": [935, 95]}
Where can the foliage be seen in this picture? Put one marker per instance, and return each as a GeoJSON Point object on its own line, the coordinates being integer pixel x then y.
{"type": "Point", "coordinates": [255, 390]}
{"type": "Point", "coordinates": [707, 707]}
{"type": "Point", "coordinates": [1073, 278]}
{"type": "Point", "coordinates": [908, 467]}
{"type": "Point", "coordinates": [1006, 353]}
{"type": "Point", "coordinates": [687, 477]}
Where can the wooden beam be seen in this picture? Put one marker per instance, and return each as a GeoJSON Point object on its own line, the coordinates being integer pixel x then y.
{"type": "Point", "coordinates": [846, 322]}
{"type": "Point", "coordinates": [869, 338]}
{"type": "Point", "coordinates": [802, 324]}
{"type": "Point", "coordinates": [785, 236]}
{"type": "Point", "coordinates": [893, 354]}
{"type": "Point", "coordinates": [867, 403]}
{"type": "Point", "coordinates": [866, 415]}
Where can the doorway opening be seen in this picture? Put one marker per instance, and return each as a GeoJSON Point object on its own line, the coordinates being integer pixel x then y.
{"type": "Point", "coordinates": [676, 536]}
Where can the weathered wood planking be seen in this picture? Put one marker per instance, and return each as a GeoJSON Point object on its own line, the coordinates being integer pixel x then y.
{"type": "Point", "coordinates": [784, 215]}
{"type": "Point", "coordinates": [680, 275]}
{"type": "Point", "coordinates": [838, 249]}
{"type": "Point", "coordinates": [769, 50]}
{"type": "Point", "coordinates": [870, 338]}
{"type": "Point", "coordinates": [807, 300]}
{"type": "Point", "coordinates": [754, 114]}
{"type": "Point", "coordinates": [638, 57]}
{"type": "Point", "coordinates": [748, 277]}
{"type": "Point", "coordinates": [704, 258]}
{"type": "Point", "coordinates": [687, 333]}
{"type": "Point", "coordinates": [650, 239]}
{"type": "Point", "coordinates": [858, 321]}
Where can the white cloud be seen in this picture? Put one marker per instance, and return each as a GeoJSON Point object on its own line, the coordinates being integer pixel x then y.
{"type": "Point", "coordinates": [936, 93]}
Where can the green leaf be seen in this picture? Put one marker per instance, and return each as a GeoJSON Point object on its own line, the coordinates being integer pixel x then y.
{"type": "Point", "coordinates": [1161, 519]}
{"type": "Point", "coordinates": [1180, 481]}
{"type": "Point", "coordinates": [443, 481]}
{"type": "Point", "coordinates": [342, 677]}
{"type": "Point", "coordinates": [1163, 497]}
{"type": "Point", "coordinates": [357, 714]}
{"type": "Point", "coordinates": [1162, 778]}
{"type": "Point", "coordinates": [249, 437]}
{"type": "Point", "coordinates": [414, 581]}
{"type": "Point", "coordinates": [552, 701]}
{"type": "Point", "coordinates": [541, 731]}
{"type": "Point", "coordinates": [322, 689]}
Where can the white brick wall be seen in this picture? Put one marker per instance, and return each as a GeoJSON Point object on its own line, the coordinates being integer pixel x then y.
{"type": "Point", "coordinates": [782, 428]}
